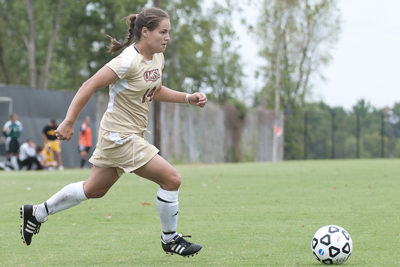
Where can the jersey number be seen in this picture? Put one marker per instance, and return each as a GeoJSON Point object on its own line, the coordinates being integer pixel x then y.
{"type": "Point", "coordinates": [150, 95]}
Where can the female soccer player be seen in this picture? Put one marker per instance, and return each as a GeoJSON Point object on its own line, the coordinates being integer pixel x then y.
{"type": "Point", "coordinates": [134, 78]}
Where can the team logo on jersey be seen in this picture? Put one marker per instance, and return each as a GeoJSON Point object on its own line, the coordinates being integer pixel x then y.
{"type": "Point", "coordinates": [152, 75]}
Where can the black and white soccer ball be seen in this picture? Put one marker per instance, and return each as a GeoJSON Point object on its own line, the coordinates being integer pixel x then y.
{"type": "Point", "coordinates": [332, 244]}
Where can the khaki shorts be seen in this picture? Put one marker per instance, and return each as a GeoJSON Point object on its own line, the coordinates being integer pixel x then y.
{"type": "Point", "coordinates": [126, 152]}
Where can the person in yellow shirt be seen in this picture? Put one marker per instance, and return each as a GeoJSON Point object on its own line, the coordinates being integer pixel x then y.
{"type": "Point", "coordinates": [134, 79]}
{"type": "Point", "coordinates": [50, 138]}
{"type": "Point", "coordinates": [47, 158]}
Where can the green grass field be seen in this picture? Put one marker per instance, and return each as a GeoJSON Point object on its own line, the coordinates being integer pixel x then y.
{"type": "Point", "coordinates": [252, 214]}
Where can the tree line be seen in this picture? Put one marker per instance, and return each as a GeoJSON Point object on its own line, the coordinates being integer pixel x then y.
{"type": "Point", "coordinates": [323, 132]}
{"type": "Point", "coordinates": [57, 45]}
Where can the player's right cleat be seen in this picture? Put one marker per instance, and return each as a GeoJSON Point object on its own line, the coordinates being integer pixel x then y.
{"type": "Point", "coordinates": [30, 226]}
{"type": "Point", "coordinates": [178, 245]}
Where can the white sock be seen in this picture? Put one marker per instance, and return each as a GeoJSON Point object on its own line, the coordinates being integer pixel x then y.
{"type": "Point", "coordinates": [168, 208]}
{"type": "Point", "coordinates": [71, 195]}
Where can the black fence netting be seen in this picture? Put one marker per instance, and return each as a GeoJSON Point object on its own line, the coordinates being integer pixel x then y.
{"type": "Point", "coordinates": [331, 135]}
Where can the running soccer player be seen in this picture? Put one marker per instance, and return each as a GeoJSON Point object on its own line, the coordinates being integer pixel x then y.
{"type": "Point", "coordinates": [134, 78]}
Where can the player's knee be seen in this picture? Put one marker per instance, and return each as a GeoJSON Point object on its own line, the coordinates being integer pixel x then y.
{"type": "Point", "coordinates": [174, 180]}
{"type": "Point", "coordinates": [97, 194]}
{"type": "Point", "coordinates": [93, 192]}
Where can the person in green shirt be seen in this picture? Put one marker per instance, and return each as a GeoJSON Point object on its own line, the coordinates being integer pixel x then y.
{"type": "Point", "coordinates": [12, 131]}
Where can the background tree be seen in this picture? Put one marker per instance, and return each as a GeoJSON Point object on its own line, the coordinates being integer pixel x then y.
{"type": "Point", "coordinates": [296, 39]}
{"type": "Point", "coordinates": [65, 43]}
{"type": "Point", "coordinates": [189, 49]}
{"type": "Point", "coordinates": [39, 44]}
{"type": "Point", "coordinates": [225, 70]}
{"type": "Point", "coordinates": [362, 107]}
{"type": "Point", "coordinates": [393, 118]}
{"type": "Point", "coordinates": [82, 43]}
{"type": "Point", "coordinates": [13, 52]}
{"type": "Point", "coordinates": [321, 132]}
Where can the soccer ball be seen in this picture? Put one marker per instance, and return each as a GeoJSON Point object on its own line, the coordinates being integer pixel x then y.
{"type": "Point", "coordinates": [332, 244]}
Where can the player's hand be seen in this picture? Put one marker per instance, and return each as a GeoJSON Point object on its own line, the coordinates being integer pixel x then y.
{"type": "Point", "coordinates": [65, 131]}
{"type": "Point", "coordinates": [198, 99]}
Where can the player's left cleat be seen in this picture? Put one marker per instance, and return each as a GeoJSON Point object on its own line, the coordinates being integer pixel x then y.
{"type": "Point", "coordinates": [181, 246]}
{"type": "Point", "coordinates": [30, 226]}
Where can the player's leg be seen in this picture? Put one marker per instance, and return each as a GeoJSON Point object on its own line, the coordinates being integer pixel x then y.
{"type": "Point", "coordinates": [59, 160]}
{"type": "Point", "coordinates": [18, 160]}
{"type": "Point", "coordinates": [56, 147]}
{"type": "Point", "coordinates": [96, 186]}
{"type": "Point", "coordinates": [8, 161]}
{"type": "Point", "coordinates": [28, 162]}
{"type": "Point", "coordinates": [17, 146]}
{"type": "Point", "coordinates": [83, 153]}
{"type": "Point", "coordinates": [12, 148]}
{"type": "Point", "coordinates": [37, 163]}
{"type": "Point", "coordinates": [161, 172]}
{"type": "Point", "coordinates": [9, 153]}
{"type": "Point", "coordinates": [164, 174]}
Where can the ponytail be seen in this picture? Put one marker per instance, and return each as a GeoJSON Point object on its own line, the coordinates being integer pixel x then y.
{"type": "Point", "coordinates": [115, 45]}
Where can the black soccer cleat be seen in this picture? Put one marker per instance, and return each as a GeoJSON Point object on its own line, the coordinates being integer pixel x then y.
{"type": "Point", "coordinates": [180, 246]}
{"type": "Point", "coordinates": [30, 226]}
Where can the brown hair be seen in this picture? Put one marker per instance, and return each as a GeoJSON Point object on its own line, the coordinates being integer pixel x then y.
{"type": "Point", "coordinates": [54, 122]}
{"type": "Point", "coordinates": [149, 18]}
{"type": "Point", "coordinates": [39, 148]}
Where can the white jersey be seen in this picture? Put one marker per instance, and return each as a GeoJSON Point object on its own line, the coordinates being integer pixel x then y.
{"type": "Point", "coordinates": [26, 151]}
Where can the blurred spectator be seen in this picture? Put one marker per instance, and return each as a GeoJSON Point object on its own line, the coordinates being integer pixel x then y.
{"type": "Point", "coordinates": [39, 155]}
{"type": "Point", "coordinates": [85, 140]}
{"type": "Point", "coordinates": [51, 140]}
{"type": "Point", "coordinates": [46, 158]}
{"type": "Point", "coordinates": [27, 156]}
{"type": "Point", "coordinates": [12, 131]}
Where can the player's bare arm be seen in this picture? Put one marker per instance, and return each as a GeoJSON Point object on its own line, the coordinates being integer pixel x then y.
{"type": "Point", "coordinates": [165, 94]}
{"type": "Point", "coordinates": [104, 77]}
